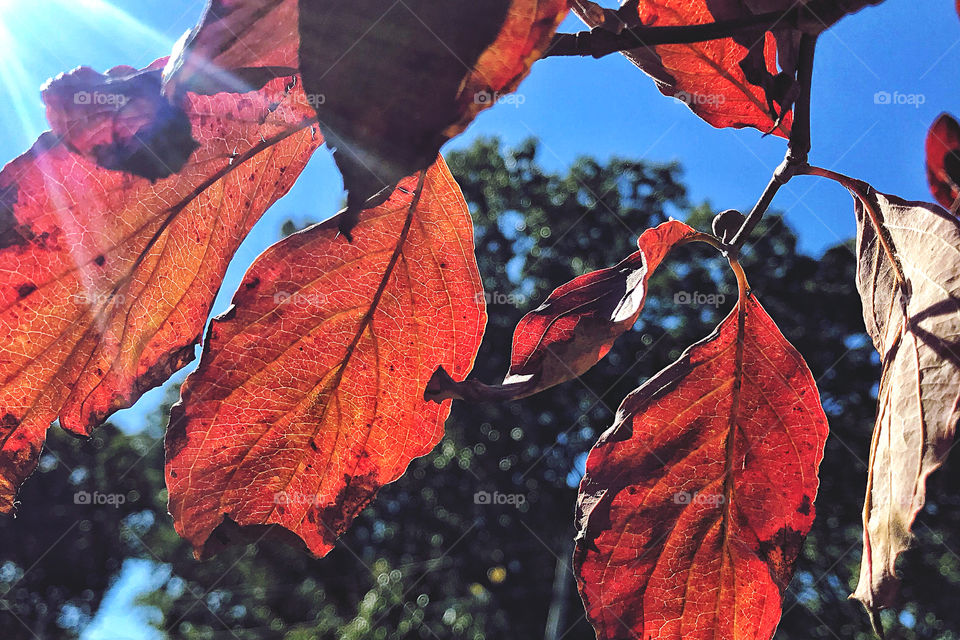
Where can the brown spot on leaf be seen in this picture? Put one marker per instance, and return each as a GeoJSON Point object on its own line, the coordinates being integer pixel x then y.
{"type": "Point", "coordinates": [357, 492]}
{"type": "Point", "coordinates": [176, 437]}
{"type": "Point", "coordinates": [25, 289]}
{"type": "Point", "coordinates": [779, 552]}
{"type": "Point", "coordinates": [10, 233]}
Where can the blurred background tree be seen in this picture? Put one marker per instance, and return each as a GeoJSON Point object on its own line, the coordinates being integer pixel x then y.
{"type": "Point", "coordinates": [426, 559]}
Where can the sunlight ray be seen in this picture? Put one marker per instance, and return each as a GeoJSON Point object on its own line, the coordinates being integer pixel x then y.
{"type": "Point", "coordinates": [103, 12]}
{"type": "Point", "coordinates": [15, 81]}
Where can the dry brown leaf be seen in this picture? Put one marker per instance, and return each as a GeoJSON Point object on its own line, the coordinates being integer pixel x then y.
{"type": "Point", "coordinates": [915, 328]}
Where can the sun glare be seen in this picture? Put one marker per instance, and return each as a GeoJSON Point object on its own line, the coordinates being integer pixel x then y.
{"type": "Point", "coordinates": [15, 83]}
{"type": "Point", "coordinates": [30, 56]}
{"type": "Point", "coordinates": [102, 12]}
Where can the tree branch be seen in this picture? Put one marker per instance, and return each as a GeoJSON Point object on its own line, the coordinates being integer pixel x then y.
{"type": "Point", "coordinates": [599, 41]}
{"type": "Point", "coordinates": [798, 147]}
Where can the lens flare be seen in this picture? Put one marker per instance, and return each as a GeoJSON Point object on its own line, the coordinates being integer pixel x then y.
{"type": "Point", "coordinates": [39, 40]}
{"type": "Point", "coordinates": [102, 13]}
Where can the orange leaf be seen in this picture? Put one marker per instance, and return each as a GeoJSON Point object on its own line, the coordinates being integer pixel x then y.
{"type": "Point", "coordinates": [308, 396]}
{"type": "Point", "coordinates": [576, 326]}
{"type": "Point", "coordinates": [943, 160]}
{"type": "Point", "coordinates": [696, 502]}
{"type": "Point", "coordinates": [107, 277]}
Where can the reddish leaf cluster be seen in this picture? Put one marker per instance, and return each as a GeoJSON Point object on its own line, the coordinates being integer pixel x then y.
{"type": "Point", "coordinates": [696, 502]}
{"type": "Point", "coordinates": [333, 367]}
{"type": "Point", "coordinates": [107, 275]}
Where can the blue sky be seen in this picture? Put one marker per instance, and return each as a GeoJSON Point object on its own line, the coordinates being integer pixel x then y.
{"type": "Point", "coordinates": [575, 106]}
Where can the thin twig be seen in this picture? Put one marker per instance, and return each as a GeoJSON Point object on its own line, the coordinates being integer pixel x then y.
{"type": "Point", "coordinates": [798, 147]}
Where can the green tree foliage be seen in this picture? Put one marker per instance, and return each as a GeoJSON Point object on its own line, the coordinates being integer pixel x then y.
{"type": "Point", "coordinates": [428, 559]}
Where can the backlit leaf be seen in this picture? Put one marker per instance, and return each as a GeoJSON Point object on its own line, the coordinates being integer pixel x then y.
{"type": "Point", "coordinates": [943, 160]}
{"type": "Point", "coordinates": [237, 44]}
{"type": "Point", "coordinates": [577, 324]}
{"type": "Point", "coordinates": [743, 81]}
{"type": "Point", "coordinates": [915, 327]}
{"type": "Point", "coordinates": [390, 81]}
{"type": "Point", "coordinates": [109, 261]}
{"type": "Point", "coordinates": [696, 502]}
{"type": "Point", "coordinates": [309, 393]}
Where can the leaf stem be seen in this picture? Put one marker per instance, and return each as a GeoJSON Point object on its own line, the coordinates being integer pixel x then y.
{"type": "Point", "coordinates": [798, 147]}
{"type": "Point", "coordinates": [861, 191]}
{"type": "Point", "coordinates": [742, 285]}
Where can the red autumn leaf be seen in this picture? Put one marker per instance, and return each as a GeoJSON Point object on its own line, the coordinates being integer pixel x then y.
{"type": "Point", "coordinates": [696, 502]}
{"type": "Point", "coordinates": [577, 324]}
{"type": "Point", "coordinates": [391, 82]}
{"type": "Point", "coordinates": [912, 313]}
{"type": "Point", "coordinates": [107, 277]}
{"type": "Point", "coordinates": [707, 76]}
{"type": "Point", "coordinates": [743, 81]}
{"type": "Point", "coordinates": [943, 161]}
{"type": "Point", "coordinates": [308, 396]}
